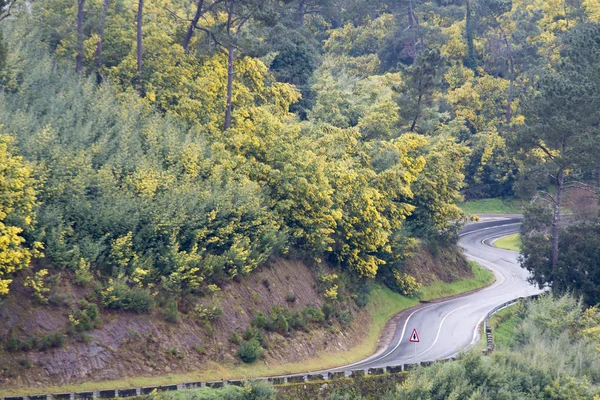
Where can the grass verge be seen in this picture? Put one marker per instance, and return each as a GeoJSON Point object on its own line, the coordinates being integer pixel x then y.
{"type": "Point", "coordinates": [504, 325]}
{"type": "Point", "coordinates": [492, 206]}
{"type": "Point", "coordinates": [383, 305]}
{"type": "Point", "coordinates": [512, 242]}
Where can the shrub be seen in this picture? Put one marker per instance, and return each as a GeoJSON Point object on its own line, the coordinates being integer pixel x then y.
{"type": "Point", "coordinates": [345, 317]}
{"type": "Point", "coordinates": [13, 344]}
{"type": "Point", "coordinates": [250, 351]}
{"type": "Point", "coordinates": [260, 390]}
{"type": "Point", "coordinates": [278, 323]}
{"type": "Point", "coordinates": [52, 340]}
{"type": "Point", "coordinates": [36, 283]}
{"type": "Point", "coordinates": [290, 297]}
{"type": "Point", "coordinates": [251, 332]}
{"type": "Point", "coordinates": [407, 284]}
{"type": "Point", "coordinates": [297, 322]}
{"type": "Point", "coordinates": [235, 338]}
{"type": "Point", "coordinates": [329, 285]}
{"type": "Point", "coordinates": [171, 312]}
{"type": "Point", "coordinates": [313, 314]}
{"type": "Point", "coordinates": [118, 295]}
{"type": "Point", "coordinates": [328, 311]}
{"type": "Point", "coordinates": [83, 274]}
{"type": "Point", "coordinates": [86, 318]}
{"type": "Point", "coordinates": [210, 313]}
{"type": "Point", "coordinates": [260, 320]}
{"type": "Point", "coordinates": [59, 299]}
{"type": "Point", "coordinates": [23, 362]}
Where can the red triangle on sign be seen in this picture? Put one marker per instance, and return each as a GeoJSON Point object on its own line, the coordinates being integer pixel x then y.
{"type": "Point", "coordinates": [414, 336]}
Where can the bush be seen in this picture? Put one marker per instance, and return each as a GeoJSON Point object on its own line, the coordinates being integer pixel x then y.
{"type": "Point", "coordinates": [120, 296]}
{"type": "Point", "coordinates": [328, 311]}
{"type": "Point", "coordinates": [313, 314]}
{"type": "Point", "coordinates": [260, 390]}
{"type": "Point", "coordinates": [253, 390]}
{"type": "Point", "coordinates": [208, 313]}
{"type": "Point", "coordinates": [297, 322]}
{"type": "Point", "coordinates": [407, 284]}
{"type": "Point", "coordinates": [14, 344]}
{"type": "Point", "coordinates": [171, 312]}
{"type": "Point", "coordinates": [235, 338]}
{"type": "Point", "coordinates": [279, 323]}
{"type": "Point", "coordinates": [290, 297]}
{"type": "Point", "coordinates": [52, 340]}
{"type": "Point", "coordinates": [345, 317]}
{"type": "Point", "coordinates": [86, 318]}
{"type": "Point", "coordinates": [59, 299]}
{"type": "Point", "coordinates": [251, 332]}
{"type": "Point", "coordinates": [254, 333]}
{"type": "Point", "coordinates": [260, 320]}
{"type": "Point", "coordinates": [250, 351]}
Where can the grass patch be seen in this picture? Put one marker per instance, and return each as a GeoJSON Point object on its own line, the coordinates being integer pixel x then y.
{"type": "Point", "coordinates": [504, 325]}
{"type": "Point", "coordinates": [492, 206]}
{"type": "Point", "coordinates": [383, 305]}
{"type": "Point", "coordinates": [512, 242]}
{"type": "Point", "coordinates": [482, 277]}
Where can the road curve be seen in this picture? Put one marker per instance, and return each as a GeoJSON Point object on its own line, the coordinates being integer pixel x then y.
{"type": "Point", "coordinates": [447, 327]}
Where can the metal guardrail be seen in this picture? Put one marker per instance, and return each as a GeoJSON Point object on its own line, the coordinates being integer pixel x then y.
{"type": "Point", "coordinates": [301, 378]}
{"type": "Point", "coordinates": [487, 329]}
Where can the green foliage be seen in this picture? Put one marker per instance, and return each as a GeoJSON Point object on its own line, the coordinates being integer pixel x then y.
{"type": "Point", "coordinates": [252, 390]}
{"type": "Point", "coordinates": [313, 314]}
{"type": "Point", "coordinates": [235, 338]}
{"type": "Point", "coordinates": [49, 341]}
{"type": "Point", "coordinates": [406, 284]}
{"type": "Point", "coordinates": [37, 284]}
{"type": "Point", "coordinates": [260, 320]}
{"type": "Point", "coordinates": [119, 296]}
{"type": "Point", "coordinates": [250, 351]}
{"type": "Point", "coordinates": [550, 358]}
{"type": "Point", "coordinates": [86, 318]}
{"type": "Point", "coordinates": [171, 312]}
{"type": "Point", "coordinates": [52, 340]}
{"type": "Point", "coordinates": [17, 201]}
{"type": "Point", "coordinates": [208, 313]}
{"type": "Point", "coordinates": [355, 127]}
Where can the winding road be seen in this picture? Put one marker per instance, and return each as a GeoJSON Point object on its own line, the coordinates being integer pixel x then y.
{"type": "Point", "coordinates": [449, 326]}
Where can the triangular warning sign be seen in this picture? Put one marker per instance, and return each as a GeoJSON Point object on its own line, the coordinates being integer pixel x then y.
{"type": "Point", "coordinates": [414, 336]}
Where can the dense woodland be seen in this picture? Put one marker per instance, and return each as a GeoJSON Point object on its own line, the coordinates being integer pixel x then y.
{"type": "Point", "coordinates": [168, 145]}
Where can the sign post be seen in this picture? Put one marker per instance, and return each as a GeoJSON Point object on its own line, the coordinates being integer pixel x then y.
{"type": "Point", "coordinates": [414, 338]}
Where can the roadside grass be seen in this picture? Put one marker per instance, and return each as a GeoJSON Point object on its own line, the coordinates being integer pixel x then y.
{"type": "Point", "coordinates": [482, 277]}
{"type": "Point", "coordinates": [492, 206]}
{"type": "Point", "coordinates": [504, 325]}
{"type": "Point", "coordinates": [383, 305]}
{"type": "Point", "coordinates": [512, 242]}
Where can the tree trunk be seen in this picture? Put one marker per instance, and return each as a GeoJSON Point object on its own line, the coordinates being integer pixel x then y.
{"type": "Point", "coordinates": [560, 180]}
{"type": "Point", "coordinates": [193, 24]}
{"type": "Point", "coordinates": [511, 69]}
{"type": "Point", "coordinates": [301, 13]}
{"type": "Point", "coordinates": [510, 97]}
{"type": "Point", "coordinates": [139, 43]}
{"type": "Point", "coordinates": [411, 26]}
{"type": "Point", "coordinates": [101, 37]}
{"type": "Point", "coordinates": [471, 61]}
{"type": "Point", "coordinates": [79, 58]}
{"type": "Point", "coordinates": [418, 113]}
{"type": "Point", "coordinates": [230, 59]}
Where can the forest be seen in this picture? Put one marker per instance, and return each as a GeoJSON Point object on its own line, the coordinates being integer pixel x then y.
{"type": "Point", "coordinates": [167, 146]}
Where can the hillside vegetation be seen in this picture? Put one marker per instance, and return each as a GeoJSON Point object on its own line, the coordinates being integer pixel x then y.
{"type": "Point", "coordinates": [156, 154]}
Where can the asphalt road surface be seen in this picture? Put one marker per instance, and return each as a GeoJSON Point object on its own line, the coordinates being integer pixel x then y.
{"type": "Point", "coordinates": [448, 327]}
